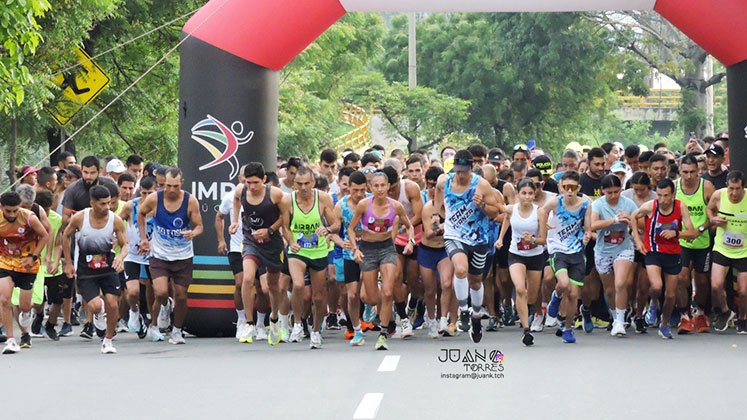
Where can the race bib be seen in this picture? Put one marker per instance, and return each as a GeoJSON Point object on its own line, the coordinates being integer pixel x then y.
{"type": "Point", "coordinates": [308, 240]}
{"type": "Point", "coordinates": [96, 261]}
{"type": "Point", "coordinates": [733, 240]}
{"type": "Point", "coordinates": [525, 246]}
{"type": "Point", "coordinates": [614, 238]}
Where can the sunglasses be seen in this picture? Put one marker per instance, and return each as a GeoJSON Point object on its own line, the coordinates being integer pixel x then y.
{"type": "Point", "coordinates": [463, 162]}
{"type": "Point", "coordinates": [369, 170]}
{"type": "Point", "coordinates": [521, 147]}
{"type": "Point", "coordinates": [570, 188]}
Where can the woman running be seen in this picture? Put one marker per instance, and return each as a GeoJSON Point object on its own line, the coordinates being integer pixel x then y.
{"type": "Point", "coordinates": [376, 254]}
{"type": "Point", "coordinates": [614, 252]}
{"type": "Point", "coordinates": [525, 255]}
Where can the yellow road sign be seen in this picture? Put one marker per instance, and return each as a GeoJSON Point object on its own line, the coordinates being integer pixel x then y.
{"type": "Point", "coordinates": [79, 87]}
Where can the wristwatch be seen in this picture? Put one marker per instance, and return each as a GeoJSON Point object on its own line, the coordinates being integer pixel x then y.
{"type": "Point", "coordinates": [411, 241]}
{"type": "Point", "coordinates": [270, 231]}
{"type": "Point", "coordinates": [701, 228]}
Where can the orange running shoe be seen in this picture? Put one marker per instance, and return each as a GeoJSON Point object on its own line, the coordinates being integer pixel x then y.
{"type": "Point", "coordinates": [686, 325]}
{"type": "Point", "coordinates": [701, 323]}
{"type": "Point", "coordinates": [349, 334]}
{"type": "Point", "coordinates": [366, 326]}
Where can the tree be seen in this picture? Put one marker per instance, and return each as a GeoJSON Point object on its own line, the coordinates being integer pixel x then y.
{"type": "Point", "coordinates": [421, 112]}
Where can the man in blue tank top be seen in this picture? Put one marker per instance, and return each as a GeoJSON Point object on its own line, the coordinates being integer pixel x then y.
{"type": "Point", "coordinates": [469, 205]}
{"type": "Point", "coordinates": [170, 247]}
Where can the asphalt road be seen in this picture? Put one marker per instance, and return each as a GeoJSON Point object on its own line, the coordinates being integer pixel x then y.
{"type": "Point", "coordinates": [599, 377]}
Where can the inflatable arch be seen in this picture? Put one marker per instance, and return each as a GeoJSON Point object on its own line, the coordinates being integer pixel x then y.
{"type": "Point", "coordinates": [229, 94]}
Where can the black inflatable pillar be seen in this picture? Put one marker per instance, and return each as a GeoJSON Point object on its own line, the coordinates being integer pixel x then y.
{"type": "Point", "coordinates": [736, 77]}
{"type": "Point", "coordinates": [228, 116]}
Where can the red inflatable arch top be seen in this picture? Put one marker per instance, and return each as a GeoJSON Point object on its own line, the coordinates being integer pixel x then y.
{"type": "Point", "coordinates": [271, 33]}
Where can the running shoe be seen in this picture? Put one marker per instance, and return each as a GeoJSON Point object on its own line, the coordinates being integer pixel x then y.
{"type": "Point", "coordinates": [553, 308]}
{"type": "Point", "coordinates": [559, 331]}
{"type": "Point", "coordinates": [305, 328]}
{"type": "Point", "coordinates": [99, 319]}
{"type": "Point", "coordinates": [406, 329]}
{"type": "Point", "coordinates": [685, 325]}
{"type": "Point", "coordinates": [51, 332]}
{"type": "Point", "coordinates": [24, 319]}
{"type": "Point", "coordinates": [618, 329]}
{"type": "Point", "coordinates": [316, 340]}
{"type": "Point", "coordinates": [527, 339]}
{"type": "Point", "coordinates": [600, 323]}
{"type": "Point", "coordinates": [36, 326]}
{"type": "Point", "coordinates": [742, 326]}
{"type": "Point", "coordinates": [261, 333]}
{"type": "Point", "coordinates": [357, 339]}
{"type": "Point", "coordinates": [3, 337]}
{"type": "Point", "coordinates": [674, 321]}
{"type": "Point", "coordinates": [87, 331]}
{"type": "Point", "coordinates": [451, 330]}
{"type": "Point", "coordinates": [568, 336]}
{"type": "Point", "coordinates": [640, 325]}
{"type": "Point", "coordinates": [721, 323]}
{"type": "Point", "coordinates": [154, 334]}
{"type": "Point", "coordinates": [332, 323]}
{"type": "Point", "coordinates": [538, 323]}
{"type": "Point", "coordinates": [107, 347]}
{"type": "Point", "coordinates": [74, 317]}
{"type": "Point", "coordinates": [475, 332]}
{"type": "Point", "coordinates": [25, 341]}
{"type": "Point", "coordinates": [164, 315]}
{"type": "Point", "coordinates": [701, 323]}
{"type": "Point", "coordinates": [432, 328]}
{"type": "Point", "coordinates": [369, 313]}
{"type": "Point", "coordinates": [177, 337]}
{"type": "Point", "coordinates": [464, 320]}
{"type": "Point", "coordinates": [101, 333]}
{"type": "Point", "coordinates": [507, 316]}
{"type": "Point", "coordinates": [493, 324]}
{"type": "Point", "coordinates": [367, 326]}
{"type": "Point", "coordinates": [247, 334]}
{"type": "Point", "coordinates": [586, 317]}
{"type": "Point", "coordinates": [66, 330]}
{"type": "Point", "coordinates": [122, 326]}
{"type": "Point", "coordinates": [551, 321]}
{"type": "Point", "coordinates": [296, 335]}
{"type": "Point", "coordinates": [240, 326]}
{"type": "Point", "coordinates": [273, 334]}
{"type": "Point", "coordinates": [349, 334]}
{"type": "Point", "coordinates": [652, 316]}
{"type": "Point", "coordinates": [664, 332]}
{"type": "Point", "coordinates": [11, 347]}
{"type": "Point", "coordinates": [442, 325]}
{"type": "Point", "coordinates": [142, 332]}
{"type": "Point", "coordinates": [133, 323]}
{"type": "Point", "coordinates": [419, 321]}
{"type": "Point", "coordinates": [391, 328]}
{"type": "Point", "coordinates": [381, 343]}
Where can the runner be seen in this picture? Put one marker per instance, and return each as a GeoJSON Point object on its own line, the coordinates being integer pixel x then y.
{"type": "Point", "coordinates": [526, 257]}
{"type": "Point", "coordinates": [376, 254]}
{"type": "Point", "coordinates": [541, 320]}
{"type": "Point", "coordinates": [177, 221]}
{"type": "Point", "coordinates": [614, 252]}
{"type": "Point", "coordinates": [469, 205]}
{"type": "Point", "coordinates": [22, 239]}
{"type": "Point", "coordinates": [664, 219]}
{"type": "Point", "coordinates": [304, 212]}
{"type": "Point", "coordinates": [566, 238]}
{"type": "Point", "coordinates": [94, 231]}
{"type": "Point", "coordinates": [263, 245]}
{"type": "Point", "coordinates": [695, 193]}
{"type": "Point", "coordinates": [726, 210]}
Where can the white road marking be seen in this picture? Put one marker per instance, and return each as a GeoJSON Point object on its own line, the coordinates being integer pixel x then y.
{"type": "Point", "coordinates": [368, 406]}
{"type": "Point", "coordinates": [389, 364]}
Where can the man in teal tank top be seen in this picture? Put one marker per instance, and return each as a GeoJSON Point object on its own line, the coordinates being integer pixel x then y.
{"type": "Point", "coordinates": [727, 210]}
{"type": "Point", "coordinates": [694, 192]}
{"type": "Point", "coordinates": [304, 214]}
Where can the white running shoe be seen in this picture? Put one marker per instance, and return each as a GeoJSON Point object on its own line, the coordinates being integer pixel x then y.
{"type": "Point", "coordinates": [107, 347]}
{"type": "Point", "coordinates": [273, 333]}
{"type": "Point", "coordinates": [261, 333]}
{"type": "Point", "coordinates": [618, 329]}
{"type": "Point", "coordinates": [177, 337]}
{"type": "Point", "coordinates": [432, 328]}
{"type": "Point", "coordinates": [247, 335]}
{"type": "Point", "coordinates": [99, 319]}
{"type": "Point", "coordinates": [240, 325]}
{"type": "Point", "coordinates": [551, 322]}
{"type": "Point", "coordinates": [443, 325]}
{"type": "Point", "coordinates": [133, 324]}
{"type": "Point", "coordinates": [164, 315]}
{"type": "Point", "coordinates": [25, 319]}
{"type": "Point", "coordinates": [316, 340]}
{"type": "Point", "coordinates": [11, 347]}
{"type": "Point", "coordinates": [538, 324]}
{"type": "Point", "coordinates": [406, 328]}
{"type": "Point", "coordinates": [296, 334]}
{"type": "Point", "coordinates": [154, 334]}
{"type": "Point", "coordinates": [122, 326]}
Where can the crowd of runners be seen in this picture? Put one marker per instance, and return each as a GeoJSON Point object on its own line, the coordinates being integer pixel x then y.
{"type": "Point", "coordinates": [383, 244]}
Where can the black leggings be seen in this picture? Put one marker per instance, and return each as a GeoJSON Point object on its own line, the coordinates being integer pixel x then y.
{"type": "Point", "coordinates": [59, 288]}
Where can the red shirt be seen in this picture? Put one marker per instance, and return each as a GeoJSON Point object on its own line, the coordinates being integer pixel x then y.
{"type": "Point", "coordinates": [658, 222]}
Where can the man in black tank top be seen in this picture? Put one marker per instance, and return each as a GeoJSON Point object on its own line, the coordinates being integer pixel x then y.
{"type": "Point", "coordinates": [263, 246]}
{"type": "Point", "coordinates": [97, 267]}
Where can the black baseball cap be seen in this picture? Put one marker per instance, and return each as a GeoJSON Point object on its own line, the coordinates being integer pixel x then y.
{"type": "Point", "coordinates": [72, 170]}
{"type": "Point", "coordinates": [543, 163]}
{"type": "Point", "coordinates": [715, 149]}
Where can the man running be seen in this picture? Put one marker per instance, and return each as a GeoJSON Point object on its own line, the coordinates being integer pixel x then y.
{"type": "Point", "coordinates": [95, 229]}
{"type": "Point", "coordinates": [726, 210]}
{"type": "Point", "coordinates": [177, 221]}
{"type": "Point", "coordinates": [469, 205]}
{"type": "Point", "coordinates": [22, 238]}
